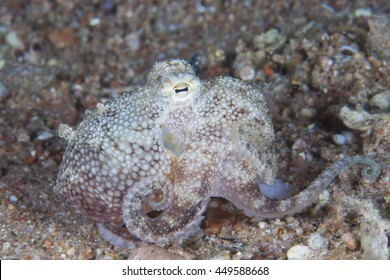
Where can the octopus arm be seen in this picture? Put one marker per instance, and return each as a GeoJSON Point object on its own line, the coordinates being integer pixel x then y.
{"type": "Point", "coordinates": [117, 236]}
{"type": "Point", "coordinates": [254, 203]}
{"type": "Point", "coordinates": [145, 219]}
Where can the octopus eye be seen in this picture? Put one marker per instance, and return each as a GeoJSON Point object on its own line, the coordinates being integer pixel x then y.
{"type": "Point", "coordinates": [182, 87]}
{"type": "Point", "coordinates": [181, 90]}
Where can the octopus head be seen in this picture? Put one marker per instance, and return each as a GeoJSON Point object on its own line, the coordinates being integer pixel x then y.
{"type": "Point", "coordinates": [175, 78]}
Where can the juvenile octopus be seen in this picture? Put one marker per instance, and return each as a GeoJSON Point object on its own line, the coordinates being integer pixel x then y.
{"type": "Point", "coordinates": [152, 158]}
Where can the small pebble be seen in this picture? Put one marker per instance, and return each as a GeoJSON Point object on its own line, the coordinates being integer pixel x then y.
{"type": "Point", "coordinates": [152, 253]}
{"type": "Point", "coordinates": [4, 92]}
{"type": "Point", "coordinates": [22, 135]}
{"type": "Point", "coordinates": [52, 62]}
{"type": "Point", "coordinates": [349, 240]}
{"type": "Point", "coordinates": [13, 198]}
{"type": "Point", "coordinates": [133, 41]}
{"type": "Point", "coordinates": [98, 252]}
{"type": "Point", "coordinates": [14, 41]}
{"type": "Point", "coordinates": [70, 251]}
{"type": "Point", "coordinates": [94, 21]}
{"type": "Point", "coordinates": [299, 231]}
{"type": "Point", "coordinates": [299, 144]}
{"type": "Point", "coordinates": [381, 100]}
{"type": "Point", "coordinates": [262, 225]}
{"type": "Point", "coordinates": [62, 38]}
{"type": "Point", "coordinates": [292, 222]}
{"type": "Point", "coordinates": [17, 250]}
{"type": "Point", "coordinates": [363, 12]}
{"type": "Point", "coordinates": [267, 39]}
{"type": "Point", "coordinates": [355, 119]}
{"type": "Point", "coordinates": [299, 252]}
{"type": "Point", "coordinates": [307, 112]}
{"type": "Point", "coordinates": [348, 136]}
{"type": "Point", "coordinates": [6, 246]}
{"type": "Point", "coordinates": [302, 155]}
{"type": "Point", "coordinates": [316, 241]}
{"type": "Point", "coordinates": [47, 244]}
{"type": "Point", "coordinates": [278, 59]}
{"type": "Point", "coordinates": [339, 139]}
{"type": "Point", "coordinates": [247, 73]}
{"type": "Point", "coordinates": [45, 135]}
{"type": "Point", "coordinates": [323, 198]}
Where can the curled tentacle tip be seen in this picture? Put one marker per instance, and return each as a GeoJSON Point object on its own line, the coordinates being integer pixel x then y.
{"type": "Point", "coordinates": [372, 171]}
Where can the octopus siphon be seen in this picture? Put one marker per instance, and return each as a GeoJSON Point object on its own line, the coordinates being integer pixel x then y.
{"type": "Point", "coordinates": [152, 158]}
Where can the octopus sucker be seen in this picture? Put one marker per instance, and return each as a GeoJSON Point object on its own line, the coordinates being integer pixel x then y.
{"type": "Point", "coordinates": [152, 158]}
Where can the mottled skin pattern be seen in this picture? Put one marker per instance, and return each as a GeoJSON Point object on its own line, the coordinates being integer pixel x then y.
{"type": "Point", "coordinates": [152, 158]}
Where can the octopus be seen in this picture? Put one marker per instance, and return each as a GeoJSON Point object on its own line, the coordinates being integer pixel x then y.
{"type": "Point", "coordinates": [144, 165]}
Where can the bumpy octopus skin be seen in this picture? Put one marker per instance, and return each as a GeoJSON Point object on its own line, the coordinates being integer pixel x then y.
{"type": "Point", "coordinates": [152, 158]}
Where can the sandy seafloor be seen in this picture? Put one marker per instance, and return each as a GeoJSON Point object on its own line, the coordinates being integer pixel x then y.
{"type": "Point", "coordinates": [325, 67]}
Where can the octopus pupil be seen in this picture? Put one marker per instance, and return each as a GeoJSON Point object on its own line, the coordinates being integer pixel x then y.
{"type": "Point", "coordinates": [178, 90]}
